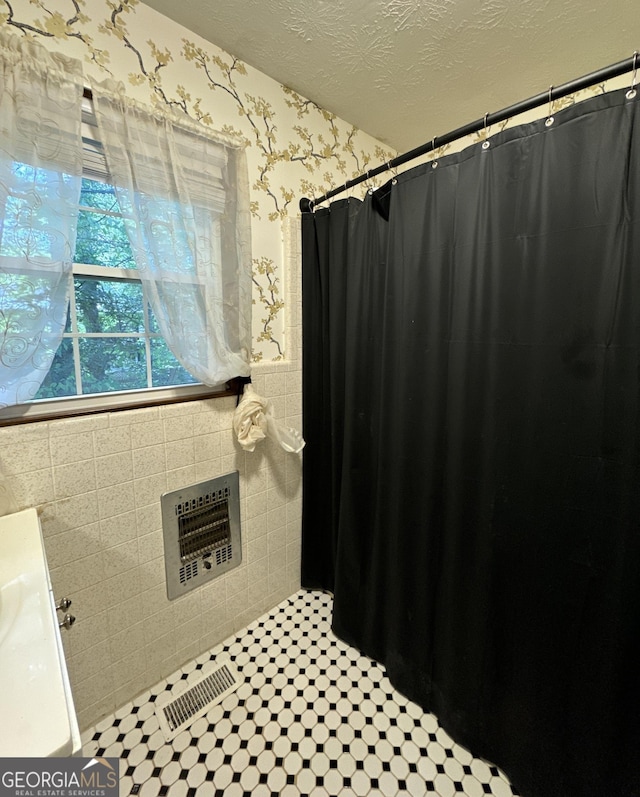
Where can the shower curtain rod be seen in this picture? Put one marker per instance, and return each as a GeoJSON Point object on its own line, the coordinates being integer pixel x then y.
{"type": "Point", "coordinates": [553, 93]}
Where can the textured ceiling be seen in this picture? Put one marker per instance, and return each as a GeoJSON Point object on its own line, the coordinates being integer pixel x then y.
{"type": "Point", "coordinates": [407, 70]}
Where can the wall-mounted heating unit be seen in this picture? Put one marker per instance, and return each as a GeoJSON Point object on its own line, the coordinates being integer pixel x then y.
{"type": "Point", "coordinates": [201, 527]}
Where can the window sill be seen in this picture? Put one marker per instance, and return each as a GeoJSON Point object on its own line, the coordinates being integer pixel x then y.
{"type": "Point", "coordinates": [55, 409]}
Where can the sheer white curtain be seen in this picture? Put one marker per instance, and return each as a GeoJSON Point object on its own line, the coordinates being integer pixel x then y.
{"type": "Point", "coordinates": [40, 180]}
{"type": "Point", "coordinates": [183, 191]}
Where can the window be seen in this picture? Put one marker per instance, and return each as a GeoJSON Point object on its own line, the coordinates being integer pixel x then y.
{"type": "Point", "coordinates": [111, 343]}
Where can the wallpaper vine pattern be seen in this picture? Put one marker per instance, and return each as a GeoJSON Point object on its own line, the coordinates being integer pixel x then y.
{"type": "Point", "coordinates": [295, 148]}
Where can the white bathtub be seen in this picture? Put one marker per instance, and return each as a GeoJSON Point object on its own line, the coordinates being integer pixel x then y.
{"type": "Point", "coordinates": [37, 715]}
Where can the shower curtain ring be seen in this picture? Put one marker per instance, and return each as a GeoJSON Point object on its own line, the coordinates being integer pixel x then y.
{"type": "Point", "coordinates": [632, 91]}
{"type": "Point", "coordinates": [394, 172]}
{"type": "Point", "coordinates": [485, 143]}
{"type": "Point", "coordinates": [370, 189]}
{"type": "Point", "coordinates": [434, 162]}
{"type": "Point", "coordinates": [549, 120]}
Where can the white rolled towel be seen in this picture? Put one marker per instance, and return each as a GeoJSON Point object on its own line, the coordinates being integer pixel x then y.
{"type": "Point", "coordinates": [254, 420]}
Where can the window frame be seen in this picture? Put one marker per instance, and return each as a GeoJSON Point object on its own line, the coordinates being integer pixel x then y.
{"type": "Point", "coordinates": [76, 406]}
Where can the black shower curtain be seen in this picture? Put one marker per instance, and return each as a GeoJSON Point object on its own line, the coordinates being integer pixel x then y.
{"type": "Point", "coordinates": [472, 470]}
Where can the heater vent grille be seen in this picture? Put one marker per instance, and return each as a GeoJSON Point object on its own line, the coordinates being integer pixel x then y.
{"type": "Point", "coordinates": [201, 529]}
{"type": "Point", "coordinates": [206, 498]}
{"type": "Point", "coordinates": [190, 570]}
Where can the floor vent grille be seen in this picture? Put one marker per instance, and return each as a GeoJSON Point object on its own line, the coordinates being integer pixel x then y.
{"type": "Point", "coordinates": [177, 712]}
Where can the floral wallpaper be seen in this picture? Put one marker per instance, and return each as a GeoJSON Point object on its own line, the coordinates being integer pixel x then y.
{"type": "Point", "coordinates": [295, 148]}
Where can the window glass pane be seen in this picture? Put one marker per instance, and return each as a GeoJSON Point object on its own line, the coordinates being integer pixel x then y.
{"type": "Point", "coordinates": [171, 247]}
{"type": "Point", "coordinates": [165, 369]}
{"type": "Point", "coordinates": [109, 364]}
{"type": "Point", "coordinates": [102, 239]}
{"type": "Point", "coordinates": [25, 223]}
{"type": "Point", "coordinates": [153, 324]}
{"type": "Point", "coordinates": [20, 234]}
{"type": "Point", "coordinates": [108, 305]}
{"type": "Point", "coordinates": [101, 196]}
{"type": "Point", "coordinates": [61, 379]}
{"type": "Point", "coordinates": [25, 297]}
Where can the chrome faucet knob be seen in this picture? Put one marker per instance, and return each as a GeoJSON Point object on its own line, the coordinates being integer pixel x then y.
{"type": "Point", "coordinates": [63, 605]}
{"type": "Point", "coordinates": [68, 621]}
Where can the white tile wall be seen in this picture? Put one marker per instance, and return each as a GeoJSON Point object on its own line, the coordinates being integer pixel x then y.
{"type": "Point", "coordinates": [97, 482]}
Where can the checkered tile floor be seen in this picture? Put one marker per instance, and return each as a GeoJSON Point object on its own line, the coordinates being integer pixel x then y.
{"type": "Point", "coordinates": [312, 717]}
